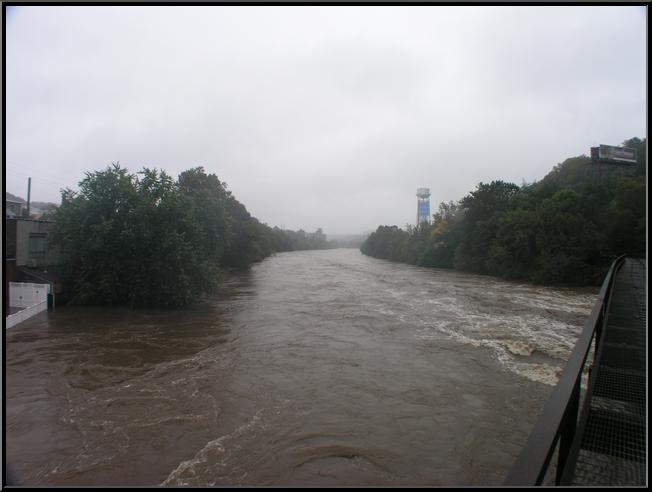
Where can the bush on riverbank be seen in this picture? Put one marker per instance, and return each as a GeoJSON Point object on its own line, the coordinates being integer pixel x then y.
{"type": "Point", "coordinates": [144, 239]}
{"type": "Point", "coordinates": [565, 229]}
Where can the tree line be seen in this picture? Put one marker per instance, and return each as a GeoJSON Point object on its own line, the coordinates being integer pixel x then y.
{"type": "Point", "coordinates": [144, 239]}
{"type": "Point", "coordinates": [564, 229]}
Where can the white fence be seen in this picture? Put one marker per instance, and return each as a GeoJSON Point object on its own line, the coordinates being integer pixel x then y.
{"type": "Point", "coordinates": [33, 298]}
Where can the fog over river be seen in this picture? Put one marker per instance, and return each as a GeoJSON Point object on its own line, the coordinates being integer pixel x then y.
{"type": "Point", "coordinates": [313, 368]}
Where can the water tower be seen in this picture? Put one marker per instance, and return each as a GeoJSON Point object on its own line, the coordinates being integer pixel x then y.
{"type": "Point", "coordinates": [423, 205]}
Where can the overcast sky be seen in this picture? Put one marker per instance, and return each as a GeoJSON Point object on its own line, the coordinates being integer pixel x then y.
{"type": "Point", "coordinates": [319, 116]}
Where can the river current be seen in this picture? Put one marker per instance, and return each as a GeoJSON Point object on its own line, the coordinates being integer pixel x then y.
{"type": "Point", "coordinates": [312, 368]}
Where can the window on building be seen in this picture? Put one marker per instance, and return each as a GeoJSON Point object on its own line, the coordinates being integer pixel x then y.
{"type": "Point", "coordinates": [37, 245]}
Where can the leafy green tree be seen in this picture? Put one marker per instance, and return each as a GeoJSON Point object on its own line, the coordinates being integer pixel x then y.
{"type": "Point", "coordinates": [206, 198]}
{"type": "Point", "coordinates": [514, 248]}
{"type": "Point", "coordinates": [627, 212]}
{"type": "Point", "coordinates": [483, 208]}
{"type": "Point", "coordinates": [568, 244]}
{"type": "Point", "coordinates": [129, 240]}
{"type": "Point", "coordinates": [287, 240]}
{"type": "Point", "coordinates": [386, 242]}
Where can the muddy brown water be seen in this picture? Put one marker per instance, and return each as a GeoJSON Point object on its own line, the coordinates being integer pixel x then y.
{"type": "Point", "coordinates": [313, 368]}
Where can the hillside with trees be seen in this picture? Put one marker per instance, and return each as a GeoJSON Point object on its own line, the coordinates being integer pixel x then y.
{"type": "Point", "coordinates": [144, 239]}
{"type": "Point", "coordinates": [564, 229]}
{"type": "Point", "coordinates": [45, 209]}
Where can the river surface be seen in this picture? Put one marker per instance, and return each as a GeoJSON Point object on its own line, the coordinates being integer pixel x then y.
{"type": "Point", "coordinates": [313, 368]}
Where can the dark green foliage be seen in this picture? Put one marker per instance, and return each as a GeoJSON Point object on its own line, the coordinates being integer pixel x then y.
{"type": "Point", "coordinates": [131, 240]}
{"type": "Point", "coordinates": [567, 244]}
{"type": "Point", "coordinates": [206, 199]}
{"type": "Point", "coordinates": [627, 217]}
{"type": "Point", "coordinates": [482, 209]}
{"type": "Point", "coordinates": [246, 243]}
{"type": "Point", "coordinates": [387, 243]}
{"type": "Point", "coordinates": [564, 229]}
{"type": "Point", "coordinates": [147, 240]}
{"type": "Point", "coordinates": [515, 245]}
{"type": "Point", "coordinates": [286, 240]}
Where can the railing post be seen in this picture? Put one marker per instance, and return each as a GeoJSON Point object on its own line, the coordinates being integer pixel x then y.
{"type": "Point", "coordinates": [558, 422]}
{"type": "Point", "coordinates": [567, 429]}
{"type": "Point", "coordinates": [598, 333]}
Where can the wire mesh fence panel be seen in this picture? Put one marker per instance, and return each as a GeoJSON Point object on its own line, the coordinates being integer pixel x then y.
{"type": "Point", "coordinates": [613, 447]}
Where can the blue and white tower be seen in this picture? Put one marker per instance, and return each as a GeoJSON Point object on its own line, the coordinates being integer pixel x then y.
{"type": "Point", "coordinates": [423, 205]}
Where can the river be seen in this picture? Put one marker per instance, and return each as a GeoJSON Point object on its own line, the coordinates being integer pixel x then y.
{"type": "Point", "coordinates": [313, 368]}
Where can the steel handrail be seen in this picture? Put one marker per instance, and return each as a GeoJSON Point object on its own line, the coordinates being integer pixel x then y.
{"type": "Point", "coordinates": [558, 419]}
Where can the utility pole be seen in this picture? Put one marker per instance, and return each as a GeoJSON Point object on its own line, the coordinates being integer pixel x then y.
{"type": "Point", "coordinates": [29, 190]}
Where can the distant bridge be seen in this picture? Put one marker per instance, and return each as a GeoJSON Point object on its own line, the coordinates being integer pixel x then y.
{"type": "Point", "coordinates": [603, 442]}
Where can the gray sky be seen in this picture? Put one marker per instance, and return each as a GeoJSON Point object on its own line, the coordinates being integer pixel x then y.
{"type": "Point", "coordinates": [319, 116]}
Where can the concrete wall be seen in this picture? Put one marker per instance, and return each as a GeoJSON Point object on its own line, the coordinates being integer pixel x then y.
{"type": "Point", "coordinates": [23, 229]}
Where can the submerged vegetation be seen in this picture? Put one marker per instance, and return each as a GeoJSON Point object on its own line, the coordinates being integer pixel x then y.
{"type": "Point", "coordinates": [145, 239]}
{"type": "Point", "coordinates": [564, 229]}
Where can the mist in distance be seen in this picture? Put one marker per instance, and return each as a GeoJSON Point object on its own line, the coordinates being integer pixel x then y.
{"type": "Point", "coordinates": [315, 117]}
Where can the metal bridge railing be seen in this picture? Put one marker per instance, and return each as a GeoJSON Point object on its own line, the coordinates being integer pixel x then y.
{"type": "Point", "coordinates": [558, 420]}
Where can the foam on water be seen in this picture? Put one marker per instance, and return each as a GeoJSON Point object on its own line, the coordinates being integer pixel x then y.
{"type": "Point", "coordinates": [214, 455]}
{"type": "Point", "coordinates": [513, 325]}
{"type": "Point", "coordinates": [220, 460]}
